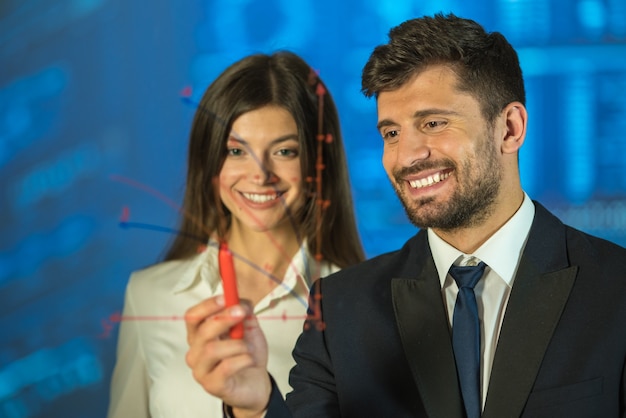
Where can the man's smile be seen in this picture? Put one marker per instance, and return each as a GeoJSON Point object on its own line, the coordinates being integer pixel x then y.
{"type": "Point", "coordinates": [429, 180]}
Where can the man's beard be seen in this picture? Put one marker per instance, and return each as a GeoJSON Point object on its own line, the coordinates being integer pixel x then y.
{"type": "Point", "coordinates": [471, 203]}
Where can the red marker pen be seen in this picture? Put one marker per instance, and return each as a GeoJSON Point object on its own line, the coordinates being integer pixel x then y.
{"type": "Point", "coordinates": [229, 282]}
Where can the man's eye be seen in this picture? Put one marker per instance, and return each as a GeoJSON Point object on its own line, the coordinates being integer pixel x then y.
{"type": "Point", "coordinates": [390, 134]}
{"type": "Point", "coordinates": [433, 124]}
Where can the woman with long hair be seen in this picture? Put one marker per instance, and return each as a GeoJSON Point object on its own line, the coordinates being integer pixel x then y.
{"type": "Point", "coordinates": [267, 178]}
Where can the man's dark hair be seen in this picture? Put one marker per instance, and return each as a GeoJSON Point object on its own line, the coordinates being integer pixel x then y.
{"type": "Point", "coordinates": [486, 64]}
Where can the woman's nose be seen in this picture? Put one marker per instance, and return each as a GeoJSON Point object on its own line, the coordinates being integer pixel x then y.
{"type": "Point", "coordinates": [262, 172]}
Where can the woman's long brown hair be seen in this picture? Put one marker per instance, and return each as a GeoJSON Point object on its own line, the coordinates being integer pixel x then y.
{"type": "Point", "coordinates": [282, 79]}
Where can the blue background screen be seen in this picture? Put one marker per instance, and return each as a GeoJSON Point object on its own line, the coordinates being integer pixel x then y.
{"type": "Point", "coordinates": [93, 128]}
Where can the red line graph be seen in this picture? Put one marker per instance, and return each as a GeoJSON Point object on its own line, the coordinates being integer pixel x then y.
{"type": "Point", "coordinates": [116, 318]}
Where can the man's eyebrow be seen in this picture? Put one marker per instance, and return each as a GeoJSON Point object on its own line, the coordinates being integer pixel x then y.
{"type": "Point", "coordinates": [383, 123]}
{"type": "Point", "coordinates": [434, 111]}
{"type": "Point", "coordinates": [419, 114]}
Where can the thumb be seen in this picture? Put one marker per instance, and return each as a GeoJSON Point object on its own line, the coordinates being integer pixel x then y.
{"type": "Point", "coordinates": [254, 336]}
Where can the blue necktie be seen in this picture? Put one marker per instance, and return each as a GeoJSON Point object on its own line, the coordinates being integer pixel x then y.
{"type": "Point", "coordinates": [466, 336]}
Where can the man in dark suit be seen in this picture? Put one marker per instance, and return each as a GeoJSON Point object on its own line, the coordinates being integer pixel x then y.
{"type": "Point", "coordinates": [540, 331]}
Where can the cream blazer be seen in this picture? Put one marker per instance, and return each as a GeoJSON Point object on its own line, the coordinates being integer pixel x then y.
{"type": "Point", "coordinates": [151, 378]}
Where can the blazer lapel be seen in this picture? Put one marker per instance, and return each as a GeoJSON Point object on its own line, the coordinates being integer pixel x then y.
{"type": "Point", "coordinates": [424, 331]}
{"type": "Point", "coordinates": [540, 291]}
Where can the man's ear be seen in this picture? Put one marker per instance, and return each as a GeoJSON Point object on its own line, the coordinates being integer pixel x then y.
{"type": "Point", "coordinates": [514, 129]}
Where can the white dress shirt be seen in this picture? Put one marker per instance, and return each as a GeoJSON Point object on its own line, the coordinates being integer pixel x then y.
{"type": "Point", "coordinates": [151, 378]}
{"type": "Point", "coordinates": [502, 253]}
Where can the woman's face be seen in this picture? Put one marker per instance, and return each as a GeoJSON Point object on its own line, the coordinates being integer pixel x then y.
{"type": "Point", "coordinates": [260, 181]}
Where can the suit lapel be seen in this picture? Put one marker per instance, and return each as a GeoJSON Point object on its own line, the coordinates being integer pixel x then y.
{"type": "Point", "coordinates": [540, 291]}
{"type": "Point", "coordinates": [424, 331]}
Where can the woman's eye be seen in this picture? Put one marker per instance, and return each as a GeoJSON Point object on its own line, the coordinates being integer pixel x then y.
{"type": "Point", "coordinates": [234, 152]}
{"type": "Point", "coordinates": [287, 152]}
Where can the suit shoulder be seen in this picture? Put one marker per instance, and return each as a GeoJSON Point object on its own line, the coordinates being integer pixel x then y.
{"type": "Point", "coordinates": [382, 266]}
{"type": "Point", "coordinates": [599, 249]}
{"type": "Point", "coordinates": [582, 247]}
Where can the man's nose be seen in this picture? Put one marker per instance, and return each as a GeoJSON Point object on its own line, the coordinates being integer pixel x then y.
{"type": "Point", "coordinates": [412, 148]}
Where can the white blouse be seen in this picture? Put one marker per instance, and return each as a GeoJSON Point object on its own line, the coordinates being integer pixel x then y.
{"type": "Point", "coordinates": [151, 378]}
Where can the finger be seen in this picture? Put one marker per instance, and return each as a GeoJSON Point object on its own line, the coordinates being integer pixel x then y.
{"type": "Point", "coordinates": [216, 326]}
{"type": "Point", "coordinates": [195, 315]}
{"type": "Point", "coordinates": [207, 307]}
{"type": "Point", "coordinates": [223, 378]}
{"type": "Point", "coordinates": [252, 328]}
{"type": "Point", "coordinates": [208, 347]}
{"type": "Point", "coordinates": [203, 359]}
{"type": "Point", "coordinates": [229, 368]}
{"type": "Point", "coordinates": [250, 322]}
{"type": "Point", "coordinates": [256, 341]}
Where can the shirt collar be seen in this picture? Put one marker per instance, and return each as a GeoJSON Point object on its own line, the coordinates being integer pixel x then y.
{"type": "Point", "coordinates": [501, 252]}
{"type": "Point", "coordinates": [296, 282]}
{"type": "Point", "coordinates": [199, 268]}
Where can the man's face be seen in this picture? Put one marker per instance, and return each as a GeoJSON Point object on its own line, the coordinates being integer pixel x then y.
{"type": "Point", "coordinates": [439, 152]}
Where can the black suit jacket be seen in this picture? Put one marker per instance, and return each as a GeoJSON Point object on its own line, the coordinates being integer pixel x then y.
{"type": "Point", "coordinates": [385, 346]}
